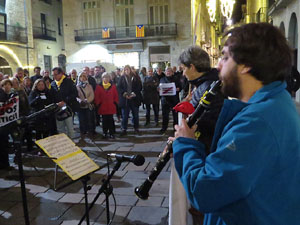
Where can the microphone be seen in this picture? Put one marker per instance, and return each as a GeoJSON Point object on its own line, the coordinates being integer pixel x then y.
{"type": "Point", "coordinates": [137, 160]}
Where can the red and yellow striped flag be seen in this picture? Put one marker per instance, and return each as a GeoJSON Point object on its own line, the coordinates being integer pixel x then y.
{"type": "Point", "coordinates": [140, 31]}
{"type": "Point", "coordinates": [105, 32]}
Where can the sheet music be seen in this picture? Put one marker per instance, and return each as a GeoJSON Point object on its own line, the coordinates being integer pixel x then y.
{"type": "Point", "coordinates": [70, 158]}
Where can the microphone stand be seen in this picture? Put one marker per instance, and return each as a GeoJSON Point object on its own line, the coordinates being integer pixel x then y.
{"type": "Point", "coordinates": [105, 188]}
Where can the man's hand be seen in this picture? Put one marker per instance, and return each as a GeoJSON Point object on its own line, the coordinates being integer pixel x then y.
{"type": "Point", "coordinates": [61, 104]}
{"type": "Point", "coordinates": [184, 131]}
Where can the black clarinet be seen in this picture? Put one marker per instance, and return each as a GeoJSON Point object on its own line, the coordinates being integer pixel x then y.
{"type": "Point", "coordinates": [205, 103]}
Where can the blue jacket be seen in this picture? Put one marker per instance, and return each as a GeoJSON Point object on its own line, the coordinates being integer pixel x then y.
{"type": "Point", "coordinates": [252, 176]}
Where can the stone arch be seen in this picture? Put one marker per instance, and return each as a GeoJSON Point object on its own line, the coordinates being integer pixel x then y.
{"type": "Point", "coordinates": [10, 57]}
{"type": "Point", "coordinates": [282, 28]}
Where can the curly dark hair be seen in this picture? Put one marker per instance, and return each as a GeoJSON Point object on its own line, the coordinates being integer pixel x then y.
{"type": "Point", "coordinates": [262, 47]}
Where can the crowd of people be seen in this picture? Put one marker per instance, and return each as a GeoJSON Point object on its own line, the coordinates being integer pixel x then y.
{"type": "Point", "coordinates": [96, 97]}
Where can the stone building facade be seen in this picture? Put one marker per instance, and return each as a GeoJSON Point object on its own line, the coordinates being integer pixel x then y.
{"type": "Point", "coordinates": [167, 30]}
{"type": "Point", "coordinates": [284, 14]}
{"type": "Point", "coordinates": [29, 35]}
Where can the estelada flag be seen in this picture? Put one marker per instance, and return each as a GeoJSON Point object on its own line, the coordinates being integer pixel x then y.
{"type": "Point", "coordinates": [140, 31]}
{"type": "Point", "coordinates": [105, 32]}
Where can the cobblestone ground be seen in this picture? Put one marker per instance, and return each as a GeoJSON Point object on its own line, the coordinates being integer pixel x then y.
{"type": "Point", "coordinates": [66, 204]}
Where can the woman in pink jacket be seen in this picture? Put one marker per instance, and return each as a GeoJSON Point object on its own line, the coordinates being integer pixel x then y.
{"type": "Point", "coordinates": [106, 98]}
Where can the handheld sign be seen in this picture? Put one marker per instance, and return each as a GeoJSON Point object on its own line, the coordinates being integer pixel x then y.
{"type": "Point", "coordinates": [167, 89]}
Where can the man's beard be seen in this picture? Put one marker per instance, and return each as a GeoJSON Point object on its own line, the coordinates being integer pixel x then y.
{"type": "Point", "coordinates": [231, 84]}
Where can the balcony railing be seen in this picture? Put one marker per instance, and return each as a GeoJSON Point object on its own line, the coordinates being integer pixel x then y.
{"type": "Point", "coordinates": [151, 31]}
{"type": "Point", "coordinates": [13, 33]}
{"type": "Point", "coordinates": [45, 34]}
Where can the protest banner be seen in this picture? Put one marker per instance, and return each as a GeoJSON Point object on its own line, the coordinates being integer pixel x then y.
{"type": "Point", "coordinates": [9, 111]}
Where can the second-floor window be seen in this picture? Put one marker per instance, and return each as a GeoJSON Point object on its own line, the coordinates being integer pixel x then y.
{"type": "Point", "coordinates": [158, 11]}
{"type": "Point", "coordinates": [91, 14]}
{"type": "Point", "coordinates": [124, 13]}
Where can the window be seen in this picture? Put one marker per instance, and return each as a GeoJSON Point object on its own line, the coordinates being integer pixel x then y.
{"type": "Point", "coordinates": [91, 14]}
{"type": "Point", "coordinates": [158, 11]}
{"type": "Point", "coordinates": [59, 26]}
{"type": "Point", "coordinates": [43, 24]}
{"type": "Point", "coordinates": [124, 13]}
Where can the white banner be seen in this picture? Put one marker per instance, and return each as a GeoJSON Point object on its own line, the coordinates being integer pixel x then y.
{"type": "Point", "coordinates": [9, 111]}
{"type": "Point", "coordinates": [167, 89]}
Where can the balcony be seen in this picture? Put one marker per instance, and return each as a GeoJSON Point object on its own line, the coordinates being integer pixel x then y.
{"type": "Point", "coordinates": [13, 34]}
{"type": "Point", "coordinates": [157, 31]}
{"type": "Point", "coordinates": [44, 34]}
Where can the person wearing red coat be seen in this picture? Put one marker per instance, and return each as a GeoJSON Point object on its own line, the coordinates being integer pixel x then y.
{"type": "Point", "coordinates": [106, 98]}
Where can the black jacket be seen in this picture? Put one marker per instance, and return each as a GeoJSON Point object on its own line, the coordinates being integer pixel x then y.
{"type": "Point", "coordinates": [67, 93]}
{"type": "Point", "coordinates": [206, 125]}
{"type": "Point", "coordinates": [136, 87]}
{"type": "Point", "coordinates": [170, 100]}
{"type": "Point", "coordinates": [150, 93]}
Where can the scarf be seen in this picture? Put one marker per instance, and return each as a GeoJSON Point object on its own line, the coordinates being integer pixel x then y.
{"type": "Point", "coordinates": [58, 83]}
{"type": "Point", "coordinates": [82, 83]}
{"type": "Point", "coordinates": [106, 86]}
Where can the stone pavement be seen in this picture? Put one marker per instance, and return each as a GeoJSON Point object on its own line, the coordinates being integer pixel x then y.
{"type": "Point", "coordinates": [66, 205]}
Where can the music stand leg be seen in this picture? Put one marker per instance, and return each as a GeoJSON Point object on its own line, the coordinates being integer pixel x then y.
{"type": "Point", "coordinates": [18, 136]}
{"type": "Point", "coordinates": [84, 180]}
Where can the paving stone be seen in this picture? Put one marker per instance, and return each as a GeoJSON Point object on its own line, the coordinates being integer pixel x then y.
{"type": "Point", "coordinates": [74, 222]}
{"type": "Point", "coordinates": [124, 149]}
{"type": "Point", "coordinates": [50, 210]}
{"type": "Point", "coordinates": [121, 213]}
{"type": "Point", "coordinates": [76, 212]}
{"type": "Point", "coordinates": [165, 202]}
{"type": "Point", "coordinates": [50, 195]}
{"type": "Point", "coordinates": [132, 167]}
{"type": "Point", "coordinates": [34, 188]}
{"type": "Point", "coordinates": [7, 183]}
{"type": "Point", "coordinates": [148, 215]}
{"type": "Point", "coordinates": [91, 198]}
{"type": "Point", "coordinates": [4, 206]}
{"type": "Point", "coordinates": [151, 201]}
{"type": "Point", "coordinates": [71, 198]}
{"type": "Point", "coordinates": [136, 175]}
{"type": "Point", "coordinates": [160, 188]}
{"type": "Point", "coordinates": [45, 221]}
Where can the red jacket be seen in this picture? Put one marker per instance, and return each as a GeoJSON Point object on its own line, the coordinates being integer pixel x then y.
{"type": "Point", "coordinates": [106, 100]}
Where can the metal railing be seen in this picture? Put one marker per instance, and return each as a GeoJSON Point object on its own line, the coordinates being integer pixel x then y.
{"type": "Point", "coordinates": [129, 32]}
{"type": "Point", "coordinates": [45, 34]}
{"type": "Point", "coordinates": [13, 33]}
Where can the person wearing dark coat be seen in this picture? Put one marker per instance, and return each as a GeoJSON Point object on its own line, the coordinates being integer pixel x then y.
{"type": "Point", "coordinates": [168, 102]}
{"type": "Point", "coordinates": [5, 95]}
{"type": "Point", "coordinates": [65, 96]}
{"type": "Point", "coordinates": [196, 68]}
{"type": "Point", "coordinates": [130, 97]}
{"type": "Point", "coordinates": [38, 99]}
{"type": "Point", "coordinates": [151, 96]}
{"type": "Point", "coordinates": [37, 74]}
